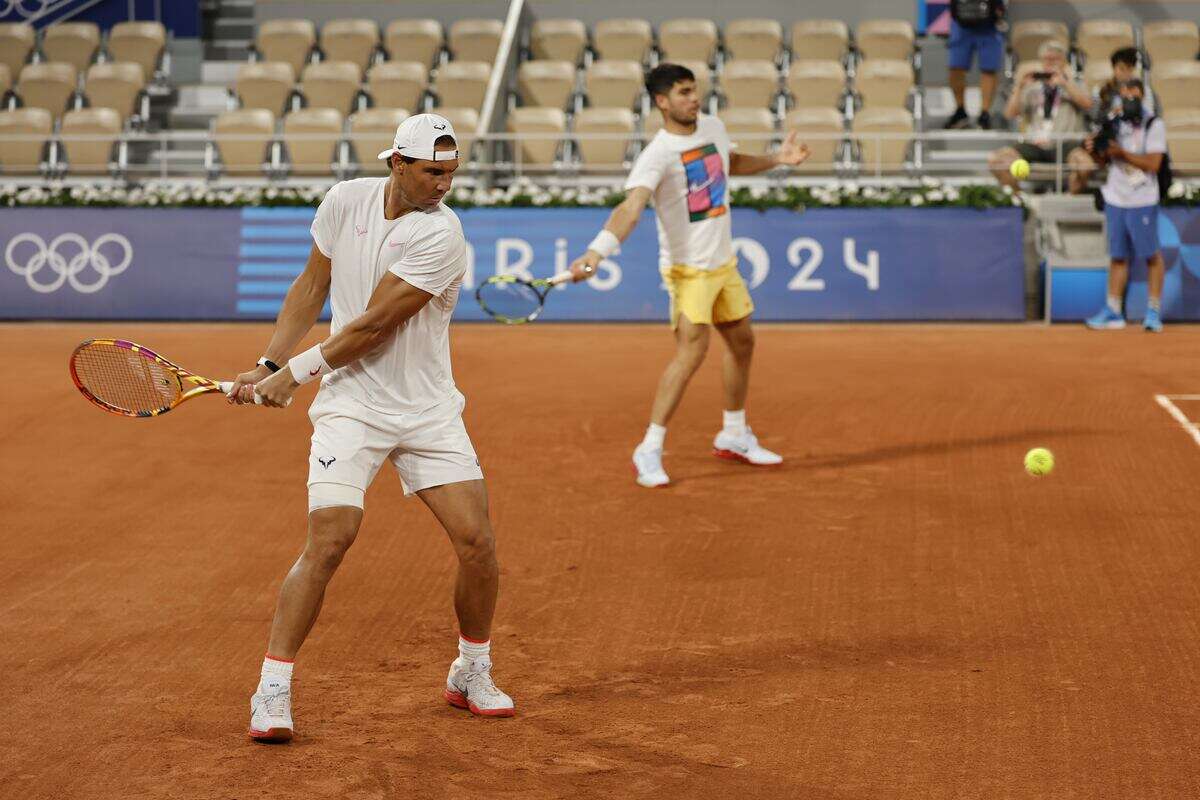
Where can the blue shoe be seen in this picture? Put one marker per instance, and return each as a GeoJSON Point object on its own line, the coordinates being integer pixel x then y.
{"type": "Point", "coordinates": [1105, 320]}
{"type": "Point", "coordinates": [1153, 321]}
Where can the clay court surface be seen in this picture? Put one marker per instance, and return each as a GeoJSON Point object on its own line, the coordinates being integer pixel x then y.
{"type": "Point", "coordinates": [897, 612]}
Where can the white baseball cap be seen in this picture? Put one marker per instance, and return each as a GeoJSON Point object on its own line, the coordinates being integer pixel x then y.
{"type": "Point", "coordinates": [416, 135]}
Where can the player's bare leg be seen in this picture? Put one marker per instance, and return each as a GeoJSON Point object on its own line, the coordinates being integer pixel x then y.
{"type": "Point", "coordinates": [462, 509]}
{"type": "Point", "coordinates": [691, 344]}
{"type": "Point", "coordinates": [736, 441]}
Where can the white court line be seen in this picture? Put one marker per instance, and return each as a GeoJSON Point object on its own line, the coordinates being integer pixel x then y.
{"type": "Point", "coordinates": [1172, 409]}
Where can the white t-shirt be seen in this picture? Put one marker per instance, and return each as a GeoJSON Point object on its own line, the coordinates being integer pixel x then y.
{"type": "Point", "coordinates": [427, 249]}
{"type": "Point", "coordinates": [1127, 186]}
{"type": "Point", "coordinates": [691, 195]}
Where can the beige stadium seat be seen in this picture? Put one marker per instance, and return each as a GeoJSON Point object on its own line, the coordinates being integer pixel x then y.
{"type": "Point", "coordinates": [817, 83]}
{"type": "Point", "coordinates": [884, 38]}
{"type": "Point", "coordinates": [558, 39]}
{"type": "Point", "coordinates": [462, 84]}
{"type": "Point", "coordinates": [1185, 153]}
{"type": "Point", "coordinates": [809, 123]}
{"type": "Point", "coordinates": [312, 136]}
{"type": "Point", "coordinates": [465, 121]}
{"type": "Point", "coordinates": [75, 43]}
{"type": "Point", "coordinates": [398, 84]}
{"type": "Point", "coordinates": [115, 85]}
{"type": "Point", "coordinates": [820, 39]}
{"type": "Point", "coordinates": [704, 77]}
{"type": "Point", "coordinates": [242, 138]}
{"type": "Point", "coordinates": [1170, 40]}
{"type": "Point", "coordinates": [546, 83]}
{"type": "Point", "coordinates": [1176, 85]}
{"type": "Point", "coordinates": [622, 39]}
{"type": "Point", "coordinates": [24, 157]}
{"type": "Point", "coordinates": [475, 39]}
{"type": "Point", "coordinates": [1096, 73]}
{"type": "Point", "coordinates": [652, 124]}
{"type": "Point", "coordinates": [330, 84]}
{"type": "Point", "coordinates": [741, 122]}
{"type": "Point", "coordinates": [884, 83]}
{"type": "Point", "coordinates": [49, 85]}
{"type": "Point", "coordinates": [687, 40]}
{"type": "Point", "coordinates": [5, 79]}
{"type": "Point", "coordinates": [413, 40]}
{"type": "Point", "coordinates": [288, 40]}
{"type": "Point", "coordinates": [608, 153]}
{"type": "Point", "coordinates": [353, 40]}
{"type": "Point", "coordinates": [140, 43]}
{"type": "Point", "coordinates": [886, 155]}
{"type": "Point", "coordinates": [753, 38]}
{"type": "Point", "coordinates": [91, 156]}
{"type": "Point", "coordinates": [266, 84]}
{"type": "Point", "coordinates": [613, 83]}
{"type": "Point", "coordinates": [1028, 35]}
{"type": "Point", "coordinates": [1098, 38]}
{"type": "Point", "coordinates": [750, 83]}
{"type": "Point", "coordinates": [17, 41]}
{"type": "Point", "coordinates": [547, 123]}
{"type": "Point", "coordinates": [372, 131]}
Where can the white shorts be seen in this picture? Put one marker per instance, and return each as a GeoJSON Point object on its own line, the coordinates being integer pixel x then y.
{"type": "Point", "coordinates": [351, 441]}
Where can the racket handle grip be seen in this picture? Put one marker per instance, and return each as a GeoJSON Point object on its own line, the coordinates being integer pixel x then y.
{"type": "Point", "coordinates": [227, 385]}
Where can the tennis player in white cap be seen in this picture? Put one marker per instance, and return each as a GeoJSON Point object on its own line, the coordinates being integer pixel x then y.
{"type": "Point", "coordinates": [390, 257]}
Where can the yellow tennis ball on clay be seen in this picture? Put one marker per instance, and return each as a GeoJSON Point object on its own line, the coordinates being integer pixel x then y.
{"type": "Point", "coordinates": [1039, 461]}
{"type": "Point", "coordinates": [1020, 169]}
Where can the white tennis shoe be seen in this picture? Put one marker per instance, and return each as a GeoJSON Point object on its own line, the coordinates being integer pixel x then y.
{"type": "Point", "coordinates": [745, 448]}
{"type": "Point", "coordinates": [271, 713]}
{"type": "Point", "coordinates": [647, 463]}
{"type": "Point", "coordinates": [469, 685]}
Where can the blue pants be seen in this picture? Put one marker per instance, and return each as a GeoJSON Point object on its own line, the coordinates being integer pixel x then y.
{"type": "Point", "coordinates": [1132, 232]}
{"type": "Point", "coordinates": [984, 40]}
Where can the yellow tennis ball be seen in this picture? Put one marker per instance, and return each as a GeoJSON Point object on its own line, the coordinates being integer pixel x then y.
{"type": "Point", "coordinates": [1039, 461]}
{"type": "Point", "coordinates": [1020, 169]}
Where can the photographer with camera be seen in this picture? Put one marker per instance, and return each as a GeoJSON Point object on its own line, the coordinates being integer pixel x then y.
{"type": "Point", "coordinates": [1133, 144]}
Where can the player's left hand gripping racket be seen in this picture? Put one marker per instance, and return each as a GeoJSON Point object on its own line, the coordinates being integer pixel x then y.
{"type": "Point", "coordinates": [513, 300]}
{"type": "Point", "coordinates": [127, 379]}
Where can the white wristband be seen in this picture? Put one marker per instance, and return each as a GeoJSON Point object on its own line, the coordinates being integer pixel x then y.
{"type": "Point", "coordinates": [606, 243]}
{"type": "Point", "coordinates": [309, 365]}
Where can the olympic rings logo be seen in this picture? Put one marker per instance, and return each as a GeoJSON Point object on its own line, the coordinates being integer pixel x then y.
{"type": "Point", "coordinates": [9, 6]}
{"type": "Point", "coordinates": [67, 257]}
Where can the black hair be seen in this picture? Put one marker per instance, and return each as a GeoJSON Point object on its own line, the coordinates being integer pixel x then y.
{"type": "Point", "coordinates": [660, 79]}
{"type": "Point", "coordinates": [444, 139]}
{"type": "Point", "coordinates": [1135, 83]}
{"type": "Point", "coordinates": [1126, 55]}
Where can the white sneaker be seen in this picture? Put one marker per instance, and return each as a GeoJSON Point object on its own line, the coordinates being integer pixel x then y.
{"type": "Point", "coordinates": [744, 448]}
{"type": "Point", "coordinates": [469, 685]}
{"type": "Point", "coordinates": [271, 713]}
{"type": "Point", "coordinates": [647, 464]}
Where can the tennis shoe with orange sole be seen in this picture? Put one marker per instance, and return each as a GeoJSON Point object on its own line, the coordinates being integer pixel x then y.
{"type": "Point", "coordinates": [469, 685]}
{"type": "Point", "coordinates": [271, 714]}
{"type": "Point", "coordinates": [744, 447]}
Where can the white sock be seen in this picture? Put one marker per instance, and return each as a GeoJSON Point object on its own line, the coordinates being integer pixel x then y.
{"type": "Point", "coordinates": [470, 651]}
{"type": "Point", "coordinates": [735, 422]}
{"type": "Point", "coordinates": [1154, 304]}
{"type": "Point", "coordinates": [655, 436]}
{"type": "Point", "coordinates": [1114, 304]}
{"type": "Point", "coordinates": [276, 674]}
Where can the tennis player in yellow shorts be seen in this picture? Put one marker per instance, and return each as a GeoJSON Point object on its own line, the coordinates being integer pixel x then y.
{"type": "Point", "coordinates": [684, 169]}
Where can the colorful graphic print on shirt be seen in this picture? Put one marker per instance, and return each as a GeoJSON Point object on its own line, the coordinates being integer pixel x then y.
{"type": "Point", "coordinates": [705, 174]}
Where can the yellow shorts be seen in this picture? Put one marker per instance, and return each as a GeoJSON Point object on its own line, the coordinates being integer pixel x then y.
{"type": "Point", "coordinates": [707, 296]}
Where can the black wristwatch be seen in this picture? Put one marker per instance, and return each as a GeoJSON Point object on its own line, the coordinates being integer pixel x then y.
{"type": "Point", "coordinates": [268, 363]}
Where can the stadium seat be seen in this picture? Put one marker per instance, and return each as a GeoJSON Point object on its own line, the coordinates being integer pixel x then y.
{"type": "Point", "coordinates": [17, 41]}
{"type": "Point", "coordinates": [1185, 153]}
{"type": "Point", "coordinates": [330, 84]}
{"type": "Point", "coordinates": [549, 123]}
{"type": "Point", "coordinates": [704, 77]}
{"type": "Point", "coordinates": [1169, 40]}
{"type": "Point", "coordinates": [546, 83]}
{"type": "Point", "coordinates": [353, 40]}
{"type": "Point", "coordinates": [312, 136]}
{"type": "Point", "coordinates": [884, 38]}
{"type": "Point", "coordinates": [1096, 73]}
{"type": "Point", "coordinates": [753, 38]}
{"type": "Point", "coordinates": [93, 156]}
{"type": "Point", "coordinates": [465, 121]}
{"type": "Point", "coordinates": [140, 43]}
{"type": "Point", "coordinates": [688, 40]}
{"type": "Point", "coordinates": [398, 84]}
{"type": "Point", "coordinates": [815, 83]}
{"type": "Point", "coordinates": [475, 39]}
{"type": "Point", "coordinates": [886, 155]}
{"type": "Point", "coordinates": [622, 39]}
{"type": "Point", "coordinates": [24, 157]}
{"type": "Point", "coordinates": [462, 84]}
{"type": "Point", "coordinates": [241, 138]}
{"type": "Point", "coordinates": [820, 39]}
{"type": "Point", "coordinates": [558, 39]}
{"type": "Point", "coordinates": [750, 83]}
{"type": "Point", "coordinates": [826, 122]}
{"type": "Point", "coordinates": [49, 85]}
{"type": "Point", "coordinates": [290, 41]}
{"type": "Point", "coordinates": [743, 121]}
{"type": "Point", "coordinates": [652, 124]}
{"type": "Point", "coordinates": [604, 154]}
{"type": "Point", "coordinates": [413, 40]}
{"type": "Point", "coordinates": [613, 83]}
{"type": "Point", "coordinates": [1028, 35]}
{"type": "Point", "coordinates": [1098, 38]}
{"type": "Point", "coordinates": [75, 43]}
{"type": "Point", "coordinates": [371, 132]}
{"type": "Point", "coordinates": [265, 84]}
{"type": "Point", "coordinates": [5, 80]}
{"type": "Point", "coordinates": [115, 85]}
{"type": "Point", "coordinates": [883, 83]}
{"type": "Point", "coordinates": [1176, 84]}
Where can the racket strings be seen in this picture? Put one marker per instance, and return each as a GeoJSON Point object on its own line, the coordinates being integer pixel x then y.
{"type": "Point", "coordinates": [126, 380]}
{"type": "Point", "coordinates": [510, 300]}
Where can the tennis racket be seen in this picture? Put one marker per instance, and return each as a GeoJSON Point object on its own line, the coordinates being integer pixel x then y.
{"type": "Point", "coordinates": [513, 300]}
{"type": "Point", "coordinates": [134, 381]}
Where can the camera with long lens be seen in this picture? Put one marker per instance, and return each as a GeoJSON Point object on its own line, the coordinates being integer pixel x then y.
{"type": "Point", "coordinates": [1107, 131]}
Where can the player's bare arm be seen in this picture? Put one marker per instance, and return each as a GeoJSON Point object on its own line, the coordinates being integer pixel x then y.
{"type": "Point", "coordinates": [621, 222]}
{"type": "Point", "coordinates": [791, 153]}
